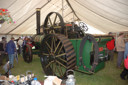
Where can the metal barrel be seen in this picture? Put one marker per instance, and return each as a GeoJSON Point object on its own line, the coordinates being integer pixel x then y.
{"type": "Point", "coordinates": [38, 38]}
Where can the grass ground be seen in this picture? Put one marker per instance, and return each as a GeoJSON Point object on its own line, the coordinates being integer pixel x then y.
{"type": "Point", "coordinates": [110, 75]}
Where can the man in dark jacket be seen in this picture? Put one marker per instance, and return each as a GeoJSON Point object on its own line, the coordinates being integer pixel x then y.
{"type": "Point", "coordinates": [11, 48]}
{"type": "Point", "coordinates": [2, 50]}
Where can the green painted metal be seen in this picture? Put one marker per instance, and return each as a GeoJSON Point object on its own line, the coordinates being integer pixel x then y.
{"type": "Point", "coordinates": [102, 43]}
{"type": "Point", "coordinates": [37, 40]}
{"type": "Point", "coordinates": [88, 47]}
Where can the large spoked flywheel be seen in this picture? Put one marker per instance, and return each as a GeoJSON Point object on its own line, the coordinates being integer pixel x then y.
{"type": "Point", "coordinates": [58, 55]}
{"type": "Point", "coordinates": [53, 23]}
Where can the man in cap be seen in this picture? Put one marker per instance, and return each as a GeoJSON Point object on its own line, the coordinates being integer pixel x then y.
{"type": "Point", "coordinates": [11, 48]}
{"type": "Point", "coordinates": [120, 47]}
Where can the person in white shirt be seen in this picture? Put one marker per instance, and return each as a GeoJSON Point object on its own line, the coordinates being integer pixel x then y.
{"type": "Point", "coordinates": [20, 43]}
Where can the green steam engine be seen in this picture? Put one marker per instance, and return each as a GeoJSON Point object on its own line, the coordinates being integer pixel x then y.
{"type": "Point", "coordinates": [63, 46]}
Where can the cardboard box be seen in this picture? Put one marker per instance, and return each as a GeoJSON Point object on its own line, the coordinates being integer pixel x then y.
{"type": "Point", "coordinates": [3, 78]}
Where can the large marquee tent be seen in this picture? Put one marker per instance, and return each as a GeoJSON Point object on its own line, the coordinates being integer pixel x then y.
{"type": "Point", "coordinates": [104, 15]}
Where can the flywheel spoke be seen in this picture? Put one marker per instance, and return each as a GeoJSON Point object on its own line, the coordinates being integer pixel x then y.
{"type": "Point", "coordinates": [54, 20]}
{"type": "Point", "coordinates": [49, 64]}
{"type": "Point", "coordinates": [54, 68]}
{"type": "Point", "coordinates": [48, 45]}
{"type": "Point", "coordinates": [61, 70]}
{"type": "Point", "coordinates": [61, 64]}
{"type": "Point", "coordinates": [55, 42]}
{"type": "Point", "coordinates": [60, 55]}
{"type": "Point", "coordinates": [56, 27]}
{"type": "Point", "coordinates": [52, 44]}
{"type": "Point", "coordinates": [57, 47]}
{"type": "Point", "coordinates": [50, 21]}
{"type": "Point", "coordinates": [48, 51]}
{"type": "Point", "coordinates": [58, 69]}
{"type": "Point", "coordinates": [62, 59]}
{"type": "Point", "coordinates": [60, 49]}
{"type": "Point", "coordinates": [47, 28]}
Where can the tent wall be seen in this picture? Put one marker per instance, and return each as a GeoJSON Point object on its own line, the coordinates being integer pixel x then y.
{"type": "Point", "coordinates": [105, 15]}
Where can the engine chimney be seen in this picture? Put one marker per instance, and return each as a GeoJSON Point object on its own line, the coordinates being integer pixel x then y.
{"type": "Point", "coordinates": [38, 21]}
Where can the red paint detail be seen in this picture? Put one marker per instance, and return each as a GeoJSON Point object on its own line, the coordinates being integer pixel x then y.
{"type": "Point", "coordinates": [101, 49]}
{"type": "Point", "coordinates": [68, 24]}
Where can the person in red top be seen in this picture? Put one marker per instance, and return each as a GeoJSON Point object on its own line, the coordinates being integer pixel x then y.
{"type": "Point", "coordinates": [111, 44]}
{"type": "Point", "coordinates": [29, 42]}
{"type": "Point", "coordinates": [110, 48]}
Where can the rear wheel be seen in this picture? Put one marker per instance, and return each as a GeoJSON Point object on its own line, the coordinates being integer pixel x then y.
{"type": "Point", "coordinates": [58, 55]}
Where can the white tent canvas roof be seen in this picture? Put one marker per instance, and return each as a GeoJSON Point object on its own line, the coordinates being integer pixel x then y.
{"type": "Point", "coordinates": [104, 15]}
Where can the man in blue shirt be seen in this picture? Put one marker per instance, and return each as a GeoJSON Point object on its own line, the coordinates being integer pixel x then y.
{"type": "Point", "coordinates": [11, 48]}
{"type": "Point", "coordinates": [126, 50]}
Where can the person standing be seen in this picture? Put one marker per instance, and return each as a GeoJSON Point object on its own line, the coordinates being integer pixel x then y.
{"type": "Point", "coordinates": [110, 47]}
{"type": "Point", "coordinates": [24, 41]}
{"type": "Point", "coordinates": [11, 48]}
{"type": "Point", "coordinates": [120, 47]}
{"type": "Point", "coordinates": [20, 42]}
{"type": "Point", "coordinates": [124, 73]}
{"type": "Point", "coordinates": [24, 45]}
{"type": "Point", "coordinates": [2, 50]}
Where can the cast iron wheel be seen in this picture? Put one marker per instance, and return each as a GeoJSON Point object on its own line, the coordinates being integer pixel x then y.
{"type": "Point", "coordinates": [27, 53]}
{"type": "Point", "coordinates": [53, 23]}
{"type": "Point", "coordinates": [58, 55]}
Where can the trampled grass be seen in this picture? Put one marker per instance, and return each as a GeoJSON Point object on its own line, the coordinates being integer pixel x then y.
{"type": "Point", "coordinates": [110, 75]}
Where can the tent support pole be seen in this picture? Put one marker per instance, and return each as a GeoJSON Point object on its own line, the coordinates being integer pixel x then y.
{"type": "Point", "coordinates": [72, 9]}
